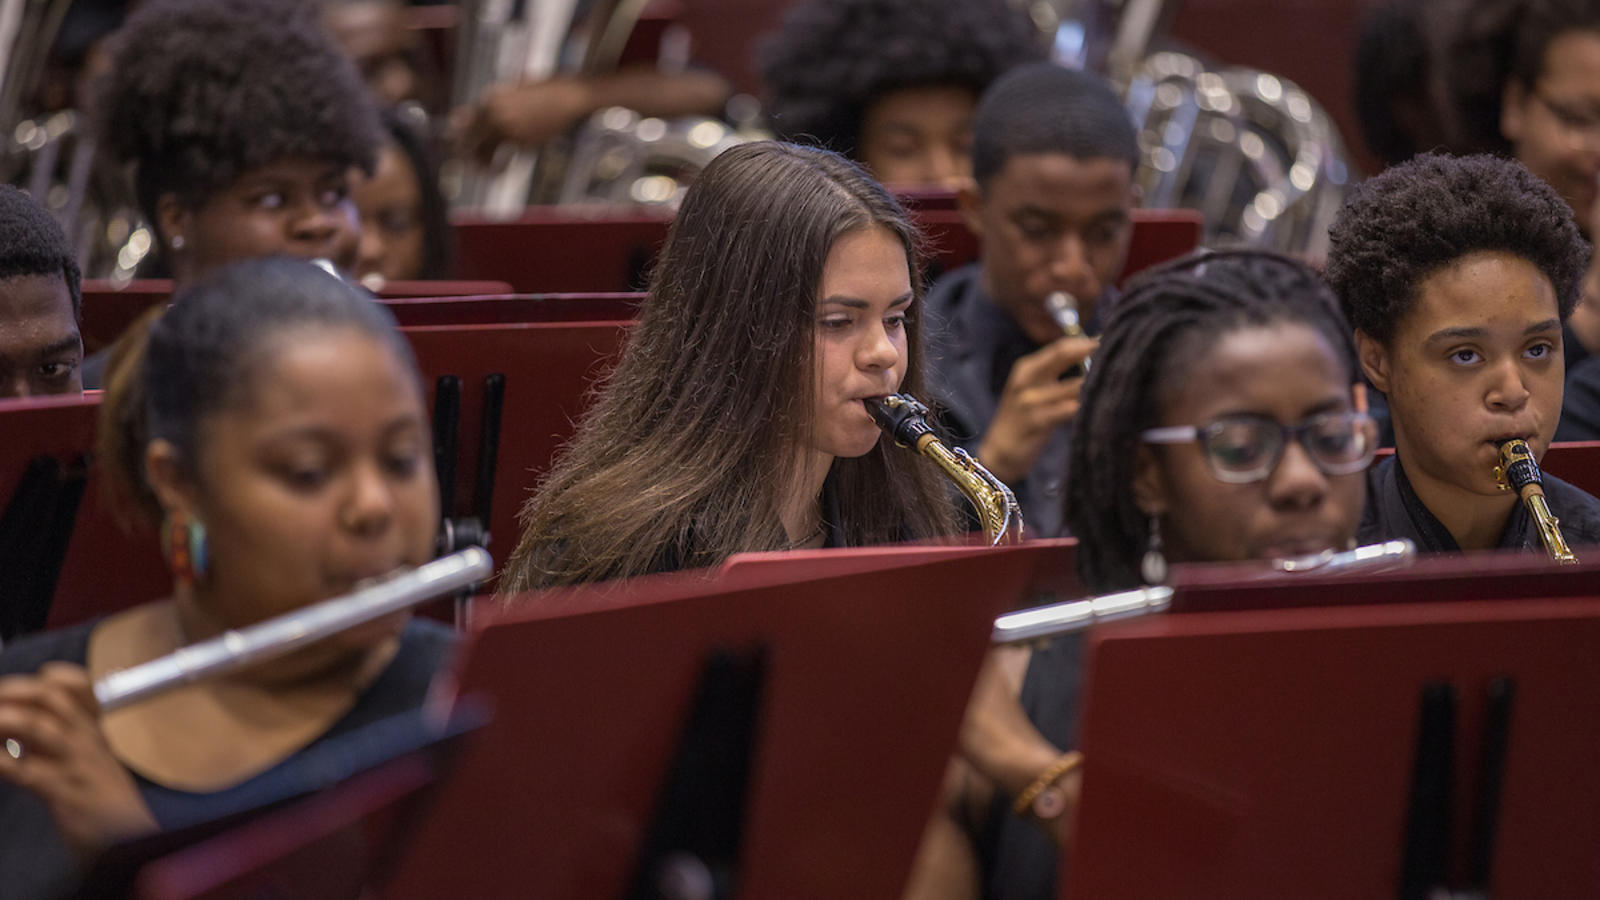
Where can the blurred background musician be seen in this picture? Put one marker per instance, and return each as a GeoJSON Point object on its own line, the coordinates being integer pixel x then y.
{"type": "Point", "coordinates": [405, 225]}
{"type": "Point", "coordinates": [1054, 157]}
{"type": "Point", "coordinates": [1218, 424]}
{"type": "Point", "coordinates": [1525, 81]}
{"type": "Point", "coordinates": [892, 84]}
{"type": "Point", "coordinates": [788, 291]}
{"type": "Point", "coordinates": [272, 423]}
{"type": "Point", "coordinates": [1457, 274]}
{"type": "Point", "coordinates": [236, 153]}
{"type": "Point", "coordinates": [41, 352]}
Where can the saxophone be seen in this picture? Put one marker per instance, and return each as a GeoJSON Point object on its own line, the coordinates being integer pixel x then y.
{"type": "Point", "coordinates": [1518, 471]}
{"type": "Point", "coordinates": [903, 418]}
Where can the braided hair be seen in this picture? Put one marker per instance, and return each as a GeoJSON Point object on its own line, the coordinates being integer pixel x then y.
{"type": "Point", "coordinates": [1168, 319]}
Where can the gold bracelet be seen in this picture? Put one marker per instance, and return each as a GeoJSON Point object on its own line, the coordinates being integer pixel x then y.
{"type": "Point", "coordinates": [1058, 770]}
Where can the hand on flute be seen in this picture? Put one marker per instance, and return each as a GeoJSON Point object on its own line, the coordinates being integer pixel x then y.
{"type": "Point", "coordinates": [51, 745]}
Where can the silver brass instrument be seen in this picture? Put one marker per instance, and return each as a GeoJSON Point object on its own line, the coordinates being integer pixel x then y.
{"type": "Point", "coordinates": [1519, 472]}
{"type": "Point", "coordinates": [1252, 151]}
{"type": "Point", "coordinates": [1043, 622]}
{"type": "Point", "coordinates": [284, 634]}
{"type": "Point", "coordinates": [615, 157]}
{"type": "Point", "coordinates": [904, 419]}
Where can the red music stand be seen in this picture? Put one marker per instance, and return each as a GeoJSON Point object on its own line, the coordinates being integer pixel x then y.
{"type": "Point", "coordinates": [106, 568]}
{"type": "Point", "coordinates": [562, 250]}
{"type": "Point", "coordinates": [1311, 753]}
{"type": "Point", "coordinates": [546, 374]}
{"type": "Point", "coordinates": [851, 735]}
{"type": "Point", "coordinates": [516, 308]}
{"type": "Point", "coordinates": [1052, 576]}
{"type": "Point", "coordinates": [1428, 579]}
{"type": "Point", "coordinates": [1575, 462]}
{"type": "Point", "coordinates": [109, 308]}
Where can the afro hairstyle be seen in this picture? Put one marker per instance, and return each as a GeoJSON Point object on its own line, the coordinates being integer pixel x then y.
{"type": "Point", "coordinates": [31, 243]}
{"type": "Point", "coordinates": [1046, 108]}
{"type": "Point", "coordinates": [830, 60]}
{"type": "Point", "coordinates": [1419, 217]}
{"type": "Point", "coordinates": [202, 91]}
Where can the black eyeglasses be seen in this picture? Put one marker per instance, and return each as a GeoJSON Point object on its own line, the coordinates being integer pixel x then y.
{"type": "Point", "coordinates": [1246, 448]}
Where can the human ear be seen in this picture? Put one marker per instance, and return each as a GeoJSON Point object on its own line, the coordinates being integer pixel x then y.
{"type": "Point", "coordinates": [173, 221]}
{"type": "Point", "coordinates": [1374, 358]}
{"type": "Point", "coordinates": [969, 202]}
{"type": "Point", "coordinates": [1149, 488]}
{"type": "Point", "coordinates": [169, 478]}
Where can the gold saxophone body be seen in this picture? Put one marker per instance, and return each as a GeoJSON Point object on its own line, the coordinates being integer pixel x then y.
{"type": "Point", "coordinates": [903, 418]}
{"type": "Point", "coordinates": [1518, 472]}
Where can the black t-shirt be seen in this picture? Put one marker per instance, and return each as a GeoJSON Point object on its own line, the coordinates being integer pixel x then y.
{"type": "Point", "coordinates": [34, 863]}
{"type": "Point", "coordinates": [1394, 511]}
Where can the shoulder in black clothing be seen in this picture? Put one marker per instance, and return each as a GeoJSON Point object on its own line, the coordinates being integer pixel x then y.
{"type": "Point", "coordinates": [27, 654]}
{"type": "Point", "coordinates": [1394, 511]}
{"type": "Point", "coordinates": [1580, 404]}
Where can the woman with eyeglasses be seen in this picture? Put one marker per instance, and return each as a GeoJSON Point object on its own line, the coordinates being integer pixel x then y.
{"type": "Point", "coordinates": [1219, 423]}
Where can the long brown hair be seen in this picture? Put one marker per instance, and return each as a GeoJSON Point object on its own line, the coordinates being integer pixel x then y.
{"type": "Point", "coordinates": [684, 456]}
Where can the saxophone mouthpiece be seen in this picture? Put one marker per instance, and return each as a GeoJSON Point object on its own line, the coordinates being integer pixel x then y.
{"type": "Point", "coordinates": [1517, 469]}
{"type": "Point", "coordinates": [901, 416]}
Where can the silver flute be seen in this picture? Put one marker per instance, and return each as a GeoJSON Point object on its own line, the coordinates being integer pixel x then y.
{"type": "Point", "coordinates": [275, 637]}
{"type": "Point", "coordinates": [1080, 615]}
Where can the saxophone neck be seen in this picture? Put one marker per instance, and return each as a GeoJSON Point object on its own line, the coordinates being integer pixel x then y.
{"type": "Point", "coordinates": [903, 418]}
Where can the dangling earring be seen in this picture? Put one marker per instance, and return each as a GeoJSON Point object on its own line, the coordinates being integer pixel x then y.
{"type": "Point", "coordinates": [1153, 568]}
{"type": "Point", "coordinates": [183, 542]}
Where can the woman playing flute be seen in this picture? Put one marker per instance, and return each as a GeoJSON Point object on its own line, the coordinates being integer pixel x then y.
{"type": "Point", "coordinates": [272, 422]}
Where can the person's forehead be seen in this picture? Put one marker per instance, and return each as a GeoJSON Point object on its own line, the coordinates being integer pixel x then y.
{"type": "Point", "coordinates": [1064, 181]}
{"type": "Point", "coordinates": [1492, 290]}
{"type": "Point", "coordinates": [34, 297]}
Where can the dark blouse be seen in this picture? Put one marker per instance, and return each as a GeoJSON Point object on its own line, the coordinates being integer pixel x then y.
{"type": "Point", "coordinates": [34, 863]}
{"type": "Point", "coordinates": [1394, 511]}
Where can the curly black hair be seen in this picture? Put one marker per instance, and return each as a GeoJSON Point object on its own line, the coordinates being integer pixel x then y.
{"type": "Point", "coordinates": [1497, 42]}
{"type": "Point", "coordinates": [1046, 108]}
{"type": "Point", "coordinates": [31, 243]}
{"type": "Point", "coordinates": [830, 60]}
{"type": "Point", "coordinates": [1421, 216]}
{"type": "Point", "coordinates": [202, 91]}
{"type": "Point", "coordinates": [1168, 317]}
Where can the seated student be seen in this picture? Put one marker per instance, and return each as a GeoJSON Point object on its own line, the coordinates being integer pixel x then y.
{"type": "Point", "coordinates": [405, 227]}
{"type": "Point", "coordinates": [1457, 274]}
{"type": "Point", "coordinates": [1580, 402]}
{"type": "Point", "coordinates": [1053, 160]}
{"type": "Point", "coordinates": [1525, 76]}
{"type": "Point", "coordinates": [1218, 424]}
{"type": "Point", "coordinates": [244, 125]}
{"type": "Point", "coordinates": [41, 352]}
{"type": "Point", "coordinates": [786, 294]}
{"type": "Point", "coordinates": [892, 83]}
{"type": "Point", "coordinates": [377, 38]}
{"type": "Point", "coordinates": [272, 421]}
